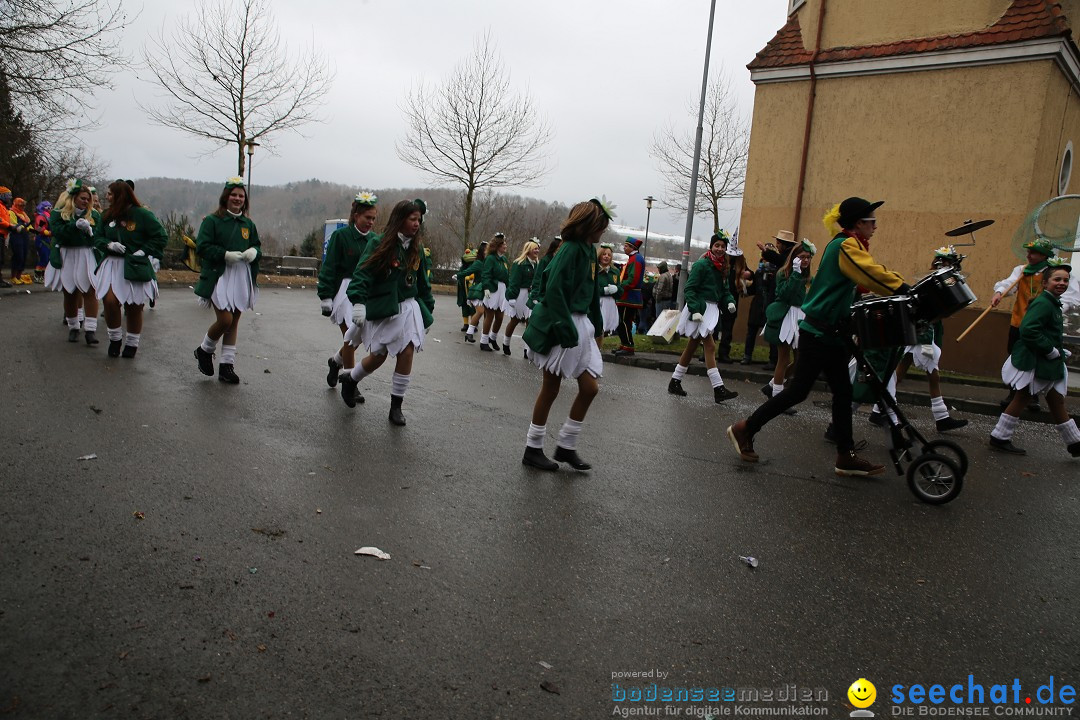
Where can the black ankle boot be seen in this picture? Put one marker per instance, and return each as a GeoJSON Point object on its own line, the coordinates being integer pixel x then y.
{"type": "Point", "coordinates": [1074, 449]}
{"type": "Point", "coordinates": [129, 351]}
{"type": "Point", "coordinates": [349, 391]}
{"type": "Point", "coordinates": [571, 458]}
{"type": "Point", "coordinates": [73, 335]}
{"type": "Point", "coordinates": [396, 416]}
{"type": "Point", "coordinates": [675, 387]}
{"type": "Point", "coordinates": [114, 348]}
{"type": "Point", "coordinates": [335, 370]}
{"type": "Point", "coordinates": [91, 337]}
{"type": "Point", "coordinates": [205, 360]}
{"type": "Point", "coordinates": [226, 374]}
{"type": "Point", "coordinates": [535, 457]}
{"type": "Point", "coordinates": [720, 394]}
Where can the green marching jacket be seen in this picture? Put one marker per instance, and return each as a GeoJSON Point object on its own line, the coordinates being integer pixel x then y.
{"type": "Point", "coordinates": [463, 288]}
{"type": "Point", "coordinates": [790, 292]}
{"type": "Point", "coordinates": [343, 251]}
{"type": "Point", "coordinates": [706, 284]}
{"type": "Point", "coordinates": [1040, 333]}
{"type": "Point", "coordinates": [605, 278]}
{"type": "Point", "coordinates": [476, 288]}
{"type": "Point", "coordinates": [140, 230]}
{"type": "Point", "coordinates": [567, 286]}
{"type": "Point", "coordinates": [383, 292]}
{"type": "Point", "coordinates": [496, 270]}
{"type": "Point", "coordinates": [218, 235]}
{"type": "Point", "coordinates": [534, 289]}
{"type": "Point", "coordinates": [65, 234]}
{"type": "Point", "coordinates": [521, 277]}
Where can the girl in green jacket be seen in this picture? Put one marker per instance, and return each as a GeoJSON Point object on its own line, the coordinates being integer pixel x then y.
{"type": "Point", "coordinates": [561, 332]}
{"type": "Point", "coordinates": [131, 241]}
{"type": "Point", "coordinates": [476, 291]}
{"type": "Point", "coordinates": [392, 304]}
{"type": "Point", "coordinates": [517, 290]}
{"type": "Point", "coordinates": [1037, 364]}
{"type": "Point", "coordinates": [74, 225]}
{"type": "Point", "coordinates": [706, 292]}
{"type": "Point", "coordinates": [607, 280]}
{"type": "Point", "coordinates": [494, 278]}
{"type": "Point", "coordinates": [784, 314]}
{"type": "Point", "coordinates": [343, 251]}
{"type": "Point", "coordinates": [228, 246]}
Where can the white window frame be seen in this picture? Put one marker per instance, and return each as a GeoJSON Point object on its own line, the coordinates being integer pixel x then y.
{"type": "Point", "coordinates": [794, 5]}
{"type": "Point", "coordinates": [1065, 171]}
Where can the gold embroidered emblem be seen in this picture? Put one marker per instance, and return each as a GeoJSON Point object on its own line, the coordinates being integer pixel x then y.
{"type": "Point", "coordinates": [245, 233]}
{"type": "Point", "coordinates": [130, 227]}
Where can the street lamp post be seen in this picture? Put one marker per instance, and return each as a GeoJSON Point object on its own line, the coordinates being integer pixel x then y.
{"type": "Point", "coordinates": [251, 145]}
{"type": "Point", "coordinates": [648, 214]}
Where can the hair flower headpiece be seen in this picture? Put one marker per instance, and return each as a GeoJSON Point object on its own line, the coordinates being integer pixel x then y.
{"type": "Point", "coordinates": [809, 247]}
{"type": "Point", "coordinates": [607, 246]}
{"type": "Point", "coordinates": [605, 205]}
{"type": "Point", "coordinates": [73, 186]}
{"type": "Point", "coordinates": [366, 197]}
{"type": "Point", "coordinates": [234, 181]}
{"type": "Point", "coordinates": [1057, 261]}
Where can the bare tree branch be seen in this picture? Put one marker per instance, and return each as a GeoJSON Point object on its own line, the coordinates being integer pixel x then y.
{"type": "Point", "coordinates": [474, 131]}
{"type": "Point", "coordinates": [725, 144]}
{"type": "Point", "coordinates": [226, 77]}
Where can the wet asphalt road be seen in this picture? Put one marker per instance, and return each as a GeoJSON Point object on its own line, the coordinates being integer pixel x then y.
{"type": "Point", "coordinates": [237, 595]}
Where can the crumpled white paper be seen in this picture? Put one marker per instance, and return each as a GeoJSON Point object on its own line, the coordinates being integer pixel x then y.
{"type": "Point", "coordinates": [374, 552]}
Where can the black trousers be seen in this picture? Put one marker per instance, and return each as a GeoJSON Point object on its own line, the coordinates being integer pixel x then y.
{"type": "Point", "coordinates": [751, 341]}
{"type": "Point", "coordinates": [627, 317]}
{"type": "Point", "coordinates": [815, 357]}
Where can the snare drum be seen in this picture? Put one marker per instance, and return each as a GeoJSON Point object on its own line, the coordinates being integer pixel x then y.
{"type": "Point", "coordinates": [883, 322]}
{"type": "Point", "coordinates": [940, 294]}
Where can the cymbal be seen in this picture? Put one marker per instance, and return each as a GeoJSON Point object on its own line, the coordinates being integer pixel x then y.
{"type": "Point", "coordinates": [969, 227]}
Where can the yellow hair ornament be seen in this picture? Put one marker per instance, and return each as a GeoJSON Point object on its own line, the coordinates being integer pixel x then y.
{"type": "Point", "coordinates": [832, 220]}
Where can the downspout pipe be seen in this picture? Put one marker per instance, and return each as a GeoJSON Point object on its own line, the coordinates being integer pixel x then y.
{"type": "Point", "coordinates": [809, 120]}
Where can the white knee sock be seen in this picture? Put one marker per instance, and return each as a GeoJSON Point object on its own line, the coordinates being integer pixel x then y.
{"type": "Point", "coordinates": [337, 358]}
{"type": "Point", "coordinates": [471, 330]}
{"type": "Point", "coordinates": [680, 372]}
{"type": "Point", "coordinates": [483, 338]}
{"type": "Point", "coordinates": [1006, 424]}
{"type": "Point", "coordinates": [506, 340]}
{"type": "Point", "coordinates": [937, 406]}
{"type": "Point", "coordinates": [132, 339]}
{"type": "Point", "coordinates": [399, 384]}
{"type": "Point", "coordinates": [1069, 432]}
{"type": "Point", "coordinates": [714, 377]}
{"type": "Point", "coordinates": [568, 434]}
{"type": "Point", "coordinates": [115, 334]}
{"type": "Point", "coordinates": [777, 389]}
{"type": "Point", "coordinates": [90, 324]}
{"type": "Point", "coordinates": [358, 373]}
{"type": "Point", "coordinates": [81, 315]}
{"type": "Point", "coordinates": [228, 354]}
{"type": "Point", "coordinates": [535, 436]}
{"type": "Point", "coordinates": [72, 323]}
{"type": "Point", "coordinates": [209, 345]}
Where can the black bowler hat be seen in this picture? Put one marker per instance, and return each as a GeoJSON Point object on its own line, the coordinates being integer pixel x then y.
{"type": "Point", "coordinates": [855, 209]}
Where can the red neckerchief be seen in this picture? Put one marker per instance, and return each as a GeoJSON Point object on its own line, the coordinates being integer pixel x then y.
{"type": "Point", "coordinates": [718, 265]}
{"type": "Point", "coordinates": [865, 245]}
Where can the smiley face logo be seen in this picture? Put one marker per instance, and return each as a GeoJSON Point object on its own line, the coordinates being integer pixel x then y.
{"type": "Point", "coordinates": [862, 693]}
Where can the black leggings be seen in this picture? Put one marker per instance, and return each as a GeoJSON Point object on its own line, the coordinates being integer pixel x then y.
{"type": "Point", "coordinates": [815, 357]}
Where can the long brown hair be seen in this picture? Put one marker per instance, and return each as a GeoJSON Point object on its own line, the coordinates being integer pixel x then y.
{"type": "Point", "coordinates": [123, 199]}
{"type": "Point", "coordinates": [223, 201]}
{"type": "Point", "coordinates": [386, 253]}
{"type": "Point", "coordinates": [586, 219]}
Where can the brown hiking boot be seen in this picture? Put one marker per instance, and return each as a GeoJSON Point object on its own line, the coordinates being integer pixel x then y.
{"type": "Point", "coordinates": [743, 441]}
{"type": "Point", "coordinates": [849, 464]}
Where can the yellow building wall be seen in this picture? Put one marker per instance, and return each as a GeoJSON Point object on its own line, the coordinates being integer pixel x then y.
{"type": "Point", "coordinates": [859, 22]}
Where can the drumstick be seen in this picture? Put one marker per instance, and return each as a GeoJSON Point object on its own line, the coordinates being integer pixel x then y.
{"type": "Point", "coordinates": [988, 309]}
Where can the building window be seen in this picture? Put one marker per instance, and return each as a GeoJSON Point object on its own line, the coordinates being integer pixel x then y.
{"type": "Point", "coordinates": [794, 5]}
{"type": "Point", "coordinates": [1066, 169]}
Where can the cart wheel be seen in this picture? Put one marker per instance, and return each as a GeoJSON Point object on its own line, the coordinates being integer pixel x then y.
{"type": "Point", "coordinates": [935, 479]}
{"type": "Point", "coordinates": [950, 450]}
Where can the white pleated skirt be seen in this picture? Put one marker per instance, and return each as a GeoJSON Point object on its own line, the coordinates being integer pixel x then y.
{"type": "Point", "coordinates": [497, 300]}
{"type": "Point", "coordinates": [476, 303]}
{"type": "Point", "coordinates": [110, 276]}
{"type": "Point", "coordinates": [341, 311]}
{"type": "Point", "coordinates": [705, 326]}
{"type": "Point", "coordinates": [391, 335]}
{"type": "Point", "coordinates": [234, 291]}
{"type": "Point", "coordinates": [789, 327]}
{"type": "Point", "coordinates": [609, 312]}
{"type": "Point", "coordinates": [76, 273]}
{"type": "Point", "coordinates": [521, 309]}
{"type": "Point", "coordinates": [924, 363]}
{"type": "Point", "coordinates": [1025, 379]}
{"type": "Point", "coordinates": [571, 362]}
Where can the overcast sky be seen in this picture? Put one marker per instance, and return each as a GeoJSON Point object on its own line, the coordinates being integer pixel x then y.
{"type": "Point", "coordinates": [607, 74]}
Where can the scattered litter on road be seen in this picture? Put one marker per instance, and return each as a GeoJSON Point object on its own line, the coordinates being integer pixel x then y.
{"type": "Point", "coordinates": [546, 666]}
{"type": "Point", "coordinates": [920, 582]}
{"type": "Point", "coordinates": [436, 339]}
{"type": "Point", "coordinates": [311, 473]}
{"type": "Point", "coordinates": [750, 561]}
{"type": "Point", "coordinates": [205, 678]}
{"type": "Point", "coordinates": [97, 410]}
{"type": "Point", "coordinates": [139, 515]}
{"type": "Point", "coordinates": [374, 552]}
{"type": "Point", "coordinates": [261, 648]}
{"type": "Point", "coordinates": [91, 456]}
{"type": "Point", "coordinates": [318, 511]}
{"type": "Point", "coordinates": [197, 558]}
{"type": "Point", "coordinates": [267, 371]}
{"type": "Point", "coordinates": [253, 570]}
{"type": "Point", "coordinates": [550, 687]}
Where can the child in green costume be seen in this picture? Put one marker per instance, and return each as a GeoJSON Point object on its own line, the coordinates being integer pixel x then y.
{"type": "Point", "coordinates": [74, 225]}
{"type": "Point", "coordinates": [517, 291]}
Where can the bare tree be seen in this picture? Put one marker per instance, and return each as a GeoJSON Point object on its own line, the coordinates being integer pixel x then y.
{"type": "Point", "coordinates": [725, 143]}
{"type": "Point", "coordinates": [227, 78]}
{"type": "Point", "coordinates": [474, 130]}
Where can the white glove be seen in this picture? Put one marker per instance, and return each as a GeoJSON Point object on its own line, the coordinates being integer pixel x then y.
{"type": "Point", "coordinates": [84, 225]}
{"type": "Point", "coordinates": [250, 254]}
{"type": "Point", "coordinates": [731, 308]}
{"type": "Point", "coordinates": [796, 265]}
{"type": "Point", "coordinates": [139, 253]}
{"type": "Point", "coordinates": [1067, 353]}
{"type": "Point", "coordinates": [487, 294]}
{"type": "Point", "coordinates": [327, 306]}
{"type": "Point", "coordinates": [454, 277]}
{"type": "Point", "coordinates": [927, 350]}
{"type": "Point", "coordinates": [155, 263]}
{"type": "Point", "coordinates": [696, 317]}
{"type": "Point", "coordinates": [233, 256]}
{"type": "Point", "coordinates": [1053, 354]}
{"type": "Point", "coordinates": [611, 289]}
{"type": "Point", "coordinates": [359, 313]}
{"type": "Point", "coordinates": [116, 247]}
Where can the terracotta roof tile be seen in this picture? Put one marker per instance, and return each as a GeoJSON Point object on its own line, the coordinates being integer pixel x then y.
{"type": "Point", "coordinates": [1023, 20]}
